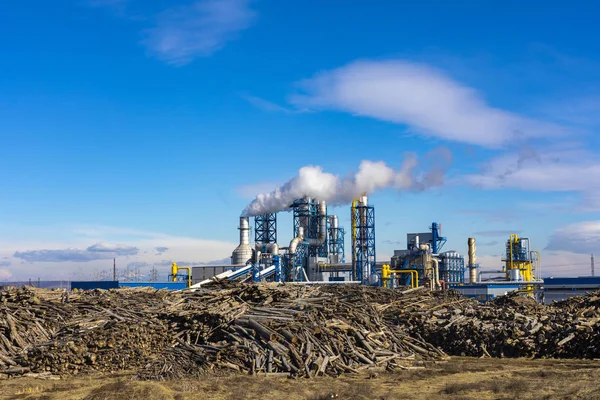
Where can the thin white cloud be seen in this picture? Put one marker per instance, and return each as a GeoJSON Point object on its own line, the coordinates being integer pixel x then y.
{"type": "Point", "coordinates": [161, 249]}
{"type": "Point", "coordinates": [98, 251]}
{"type": "Point", "coordinates": [580, 237]}
{"type": "Point", "coordinates": [118, 249]}
{"type": "Point", "coordinates": [425, 99]}
{"type": "Point", "coordinates": [48, 259]}
{"type": "Point", "coordinates": [266, 105]}
{"type": "Point", "coordinates": [552, 170]}
{"type": "Point", "coordinates": [182, 34]}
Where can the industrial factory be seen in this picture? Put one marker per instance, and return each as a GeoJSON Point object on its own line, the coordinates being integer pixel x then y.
{"type": "Point", "coordinates": [316, 255]}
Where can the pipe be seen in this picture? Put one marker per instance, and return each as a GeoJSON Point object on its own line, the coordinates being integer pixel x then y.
{"type": "Point", "coordinates": [244, 230]}
{"type": "Point", "coordinates": [296, 241]}
{"type": "Point", "coordinates": [436, 271]}
{"type": "Point", "coordinates": [271, 248]}
{"type": "Point", "coordinates": [472, 260]}
{"type": "Point", "coordinates": [175, 271]}
{"type": "Point", "coordinates": [414, 275]}
{"type": "Point", "coordinates": [334, 225]}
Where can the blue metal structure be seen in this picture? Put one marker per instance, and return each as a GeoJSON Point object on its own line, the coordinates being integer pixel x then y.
{"type": "Point", "coordinates": [451, 264]}
{"type": "Point", "coordinates": [452, 268]}
{"type": "Point", "coordinates": [336, 242]}
{"type": "Point", "coordinates": [265, 228]}
{"type": "Point", "coordinates": [156, 285]}
{"type": "Point", "coordinates": [306, 215]}
{"type": "Point", "coordinates": [298, 262]}
{"type": "Point", "coordinates": [90, 285]}
{"type": "Point", "coordinates": [520, 251]}
{"type": "Point", "coordinates": [278, 268]}
{"type": "Point", "coordinates": [438, 241]}
{"type": "Point", "coordinates": [363, 243]}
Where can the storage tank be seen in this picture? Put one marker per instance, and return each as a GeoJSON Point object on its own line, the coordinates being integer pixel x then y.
{"type": "Point", "coordinates": [514, 274]}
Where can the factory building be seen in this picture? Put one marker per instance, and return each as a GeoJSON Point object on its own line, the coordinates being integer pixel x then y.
{"type": "Point", "coordinates": [316, 255]}
{"type": "Point", "coordinates": [424, 246]}
{"type": "Point", "coordinates": [488, 291]}
{"type": "Point", "coordinates": [556, 289]}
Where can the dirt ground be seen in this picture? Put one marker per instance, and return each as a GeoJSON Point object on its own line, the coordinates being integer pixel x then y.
{"type": "Point", "coordinates": [459, 378]}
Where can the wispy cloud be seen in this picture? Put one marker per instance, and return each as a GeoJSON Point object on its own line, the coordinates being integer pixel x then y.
{"type": "Point", "coordinates": [554, 170]}
{"type": "Point", "coordinates": [4, 263]}
{"type": "Point", "coordinates": [118, 249]}
{"type": "Point", "coordinates": [581, 237]}
{"type": "Point", "coordinates": [98, 251]}
{"type": "Point", "coordinates": [60, 257]}
{"type": "Point", "coordinates": [423, 98]}
{"type": "Point", "coordinates": [269, 106]}
{"type": "Point", "coordinates": [182, 34]}
{"type": "Point", "coordinates": [160, 250]}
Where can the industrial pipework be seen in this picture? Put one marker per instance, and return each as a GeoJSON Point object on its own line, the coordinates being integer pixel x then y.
{"type": "Point", "coordinates": [175, 274]}
{"type": "Point", "coordinates": [472, 260]}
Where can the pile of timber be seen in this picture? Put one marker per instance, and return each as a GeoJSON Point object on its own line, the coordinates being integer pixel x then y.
{"type": "Point", "coordinates": [292, 330]}
{"type": "Point", "coordinates": [511, 326]}
{"type": "Point", "coordinates": [278, 329]}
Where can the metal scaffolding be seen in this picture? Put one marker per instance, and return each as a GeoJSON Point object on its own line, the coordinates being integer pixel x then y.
{"type": "Point", "coordinates": [336, 242]}
{"type": "Point", "coordinates": [363, 241]}
{"type": "Point", "coordinates": [265, 228]}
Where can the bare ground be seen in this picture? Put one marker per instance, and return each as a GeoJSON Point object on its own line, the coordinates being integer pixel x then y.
{"type": "Point", "coordinates": [459, 378]}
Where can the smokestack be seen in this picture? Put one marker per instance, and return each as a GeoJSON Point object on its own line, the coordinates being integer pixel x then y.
{"type": "Point", "coordinates": [472, 260]}
{"type": "Point", "coordinates": [243, 252]}
{"type": "Point", "coordinates": [244, 230]}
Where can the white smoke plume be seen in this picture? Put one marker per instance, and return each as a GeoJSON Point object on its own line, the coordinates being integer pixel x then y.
{"type": "Point", "coordinates": [313, 182]}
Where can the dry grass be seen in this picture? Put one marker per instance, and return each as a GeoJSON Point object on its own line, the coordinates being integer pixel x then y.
{"type": "Point", "coordinates": [458, 379]}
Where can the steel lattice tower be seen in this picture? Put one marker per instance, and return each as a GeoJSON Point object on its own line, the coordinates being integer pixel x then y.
{"type": "Point", "coordinates": [265, 228]}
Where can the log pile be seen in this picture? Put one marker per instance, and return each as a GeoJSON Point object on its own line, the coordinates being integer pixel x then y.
{"type": "Point", "coordinates": [512, 326]}
{"type": "Point", "coordinates": [270, 329]}
{"type": "Point", "coordinates": [292, 330]}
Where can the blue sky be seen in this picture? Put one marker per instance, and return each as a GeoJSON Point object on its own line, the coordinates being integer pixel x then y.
{"type": "Point", "coordinates": [132, 125]}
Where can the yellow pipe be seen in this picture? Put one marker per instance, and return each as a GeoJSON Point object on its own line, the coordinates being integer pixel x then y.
{"type": "Point", "coordinates": [175, 270]}
{"type": "Point", "coordinates": [414, 274]}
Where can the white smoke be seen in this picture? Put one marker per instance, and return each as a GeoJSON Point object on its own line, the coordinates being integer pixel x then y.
{"type": "Point", "coordinates": [313, 182]}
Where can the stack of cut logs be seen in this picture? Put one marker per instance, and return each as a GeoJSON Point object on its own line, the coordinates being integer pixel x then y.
{"type": "Point", "coordinates": [276, 329]}
{"type": "Point", "coordinates": [511, 326]}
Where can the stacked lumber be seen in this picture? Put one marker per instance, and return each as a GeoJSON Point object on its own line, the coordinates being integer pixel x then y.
{"type": "Point", "coordinates": [270, 329]}
{"type": "Point", "coordinates": [278, 329]}
{"type": "Point", "coordinates": [511, 326]}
